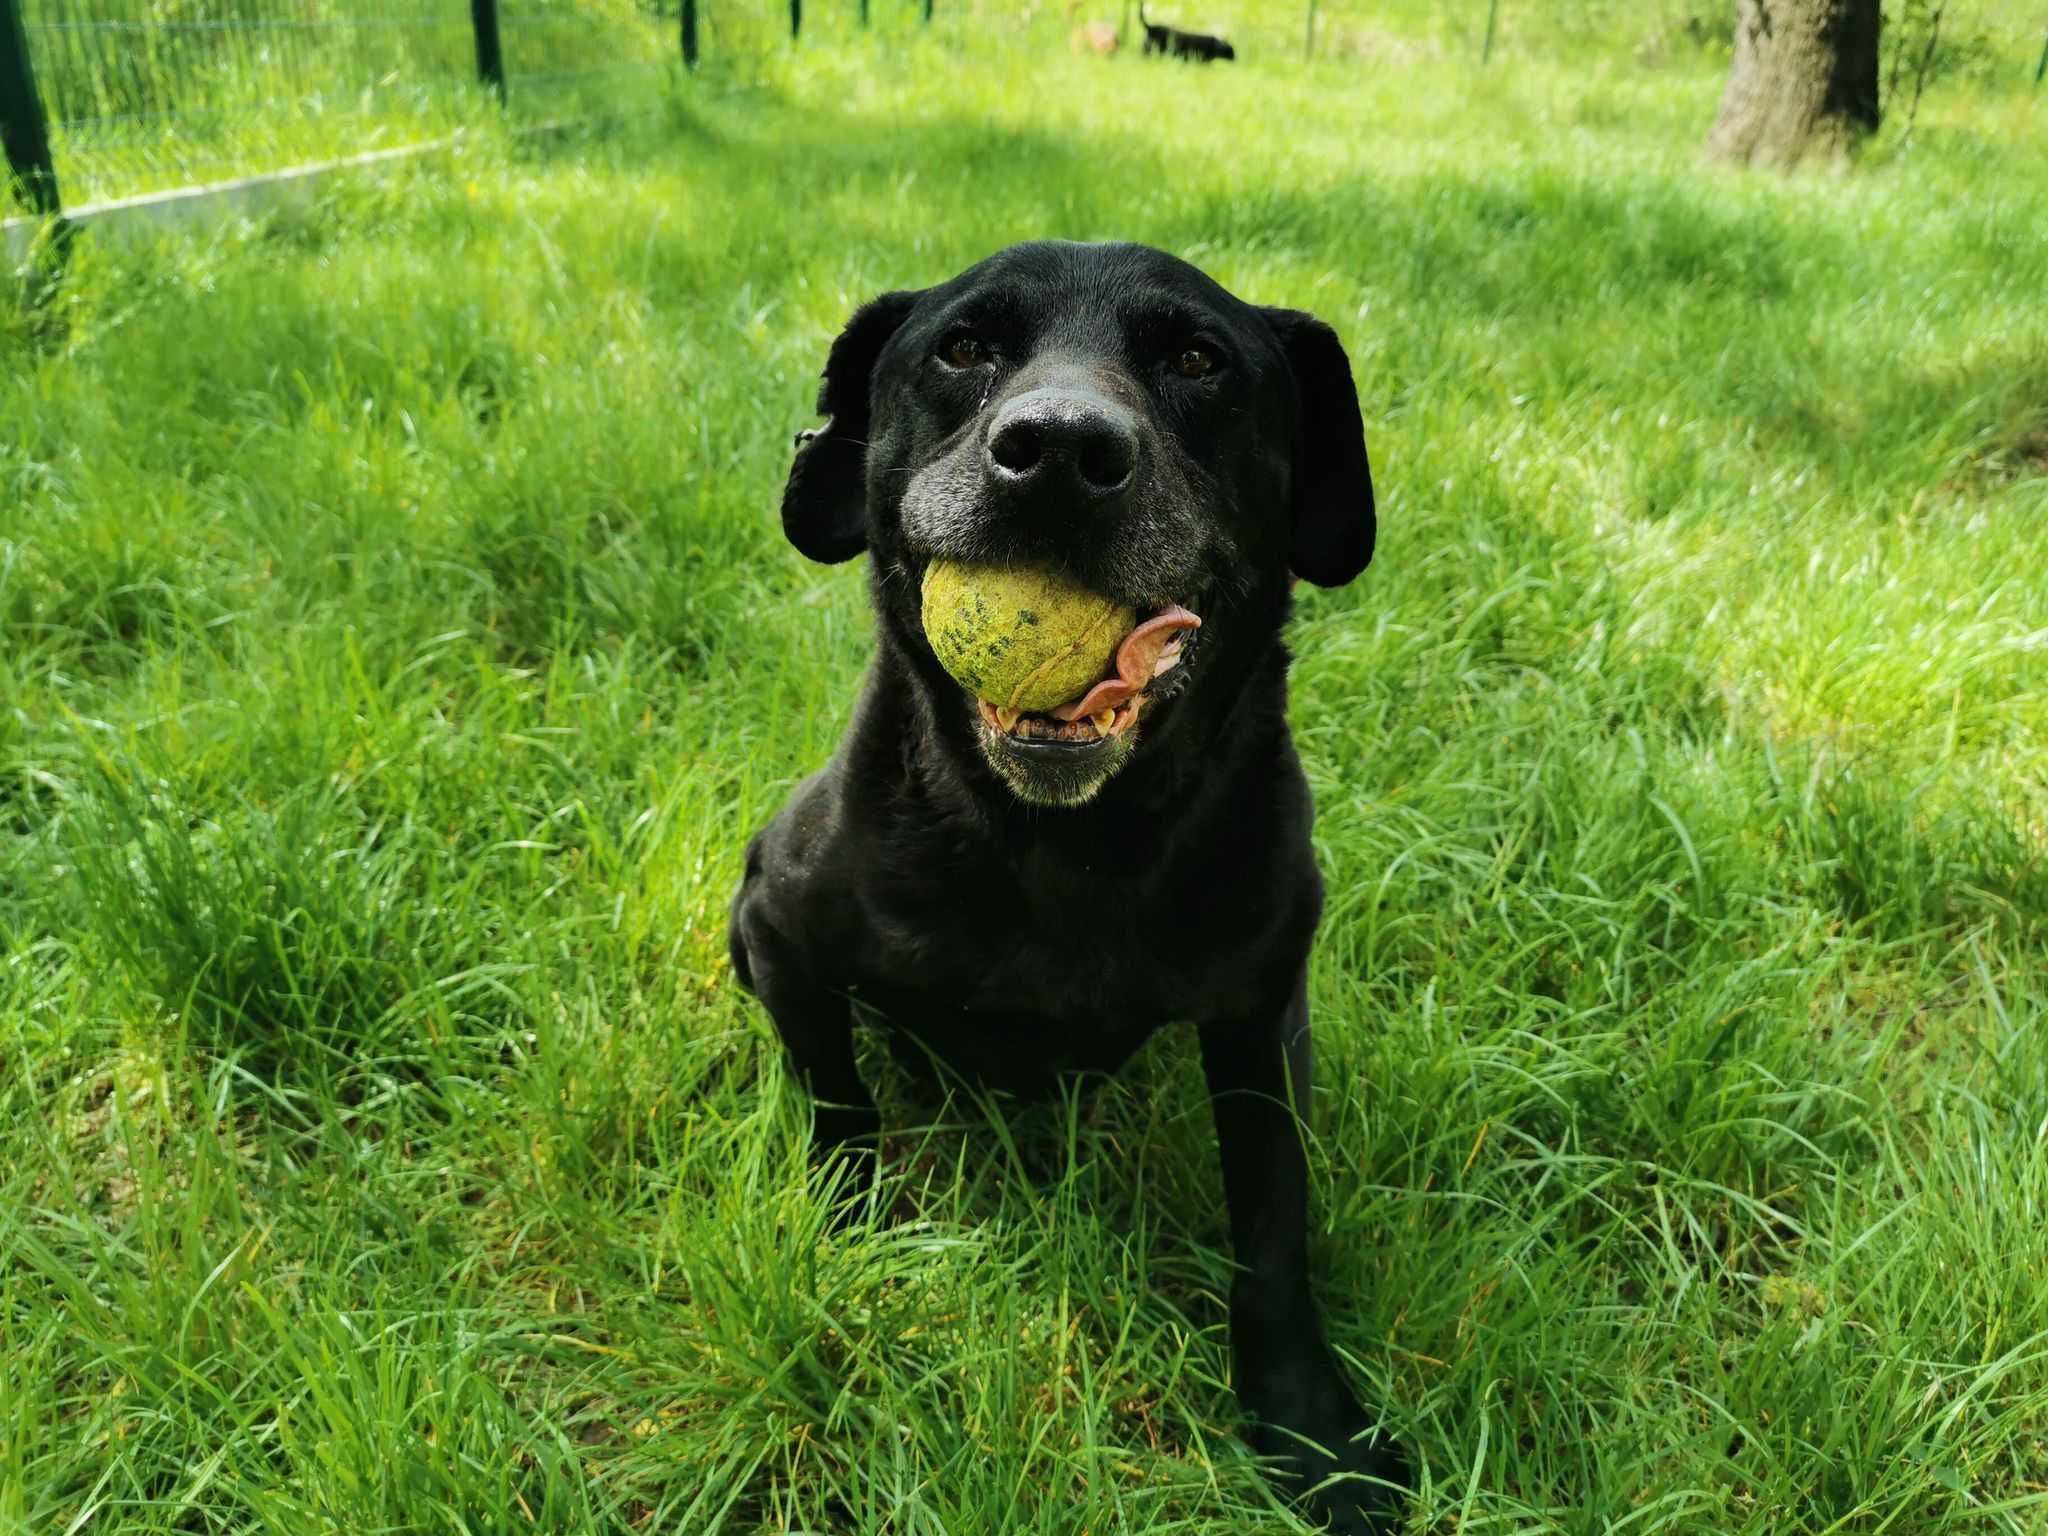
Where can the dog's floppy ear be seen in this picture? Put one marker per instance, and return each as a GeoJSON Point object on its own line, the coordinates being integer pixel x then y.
{"type": "Point", "coordinates": [824, 503]}
{"type": "Point", "coordinates": [1332, 517]}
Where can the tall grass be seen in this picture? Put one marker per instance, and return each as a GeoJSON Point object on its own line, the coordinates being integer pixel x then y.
{"type": "Point", "coordinates": [398, 648]}
{"type": "Point", "coordinates": [179, 92]}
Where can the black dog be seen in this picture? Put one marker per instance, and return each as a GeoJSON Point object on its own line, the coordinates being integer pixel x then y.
{"type": "Point", "coordinates": [1199, 46]}
{"type": "Point", "coordinates": [1026, 897]}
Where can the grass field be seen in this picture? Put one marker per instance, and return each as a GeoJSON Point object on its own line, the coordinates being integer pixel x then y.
{"type": "Point", "coordinates": [147, 95]}
{"type": "Point", "coordinates": [399, 647]}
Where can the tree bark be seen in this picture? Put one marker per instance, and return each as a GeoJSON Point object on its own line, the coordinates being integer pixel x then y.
{"type": "Point", "coordinates": [1804, 82]}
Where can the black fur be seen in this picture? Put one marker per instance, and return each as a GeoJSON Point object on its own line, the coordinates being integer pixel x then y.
{"type": "Point", "coordinates": [1024, 912]}
{"type": "Point", "coordinates": [1202, 47]}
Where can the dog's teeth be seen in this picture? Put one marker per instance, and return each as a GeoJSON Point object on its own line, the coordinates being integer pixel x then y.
{"type": "Point", "coordinates": [1104, 719]}
{"type": "Point", "coordinates": [1006, 717]}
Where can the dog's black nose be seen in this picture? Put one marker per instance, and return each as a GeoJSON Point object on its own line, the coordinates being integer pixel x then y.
{"type": "Point", "coordinates": [1063, 444]}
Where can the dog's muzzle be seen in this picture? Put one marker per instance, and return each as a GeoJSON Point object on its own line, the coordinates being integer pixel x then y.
{"type": "Point", "coordinates": [1152, 651]}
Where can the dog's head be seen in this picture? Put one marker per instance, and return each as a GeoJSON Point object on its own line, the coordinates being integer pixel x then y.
{"type": "Point", "coordinates": [1110, 413]}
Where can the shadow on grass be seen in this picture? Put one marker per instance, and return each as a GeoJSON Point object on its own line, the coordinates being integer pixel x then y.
{"type": "Point", "coordinates": [1678, 295]}
{"type": "Point", "coordinates": [299, 940]}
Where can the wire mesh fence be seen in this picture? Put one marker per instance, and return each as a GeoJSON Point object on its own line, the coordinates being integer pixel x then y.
{"type": "Point", "coordinates": [1974, 38]}
{"type": "Point", "coordinates": [145, 95]}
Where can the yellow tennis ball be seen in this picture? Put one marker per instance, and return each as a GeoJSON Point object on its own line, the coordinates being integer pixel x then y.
{"type": "Point", "coordinates": [1024, 639]}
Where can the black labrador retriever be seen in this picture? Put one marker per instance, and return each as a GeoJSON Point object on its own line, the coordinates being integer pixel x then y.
{"type": "Point", "coordinates": [1025, 898]}
{"type": "Point", "coordinates": [1202, 47]}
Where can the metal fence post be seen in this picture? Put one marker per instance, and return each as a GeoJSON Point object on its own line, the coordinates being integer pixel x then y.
{"type": "Point", "coordinates": [796, 18]}
{"type": "Point", "coordinates": [863, 12]}
{"type": "Point", "coordinates": [490, 54]}
{"type": "Point", "coordinates": [927, 12]}
{"type": "Point", "coordinates": [689, 34]}
{"type": "Point", "coordinates": [23, 132]}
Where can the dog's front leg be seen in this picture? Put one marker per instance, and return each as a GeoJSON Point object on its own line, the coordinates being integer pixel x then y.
{"type": "Point", "coordinates": [1306, 1415]}
{"type": "Point", "coordinates": [816, 1026]}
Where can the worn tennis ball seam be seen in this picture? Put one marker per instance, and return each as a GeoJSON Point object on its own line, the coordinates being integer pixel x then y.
{"type": "Point", "coordinates": [1110, 609]}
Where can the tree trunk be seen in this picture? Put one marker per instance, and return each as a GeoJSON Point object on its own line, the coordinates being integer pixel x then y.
{"type": "Point", "coordinates": [1804, 82]}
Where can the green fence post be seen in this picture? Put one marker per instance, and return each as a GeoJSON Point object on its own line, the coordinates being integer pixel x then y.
{"type": "Point", "coordinates": [490, 54]}
{"type": "Point", "coordinates": [863, 13]}
{"type": "Point", "coordinates": [25, 134]}
{"type": "Point", "coordinates": [1308, 44]}
{"type": "Point", "coordinates": [927, 12]}
{"type": "Point", "coordinates": [796, 18]}
{"type": "Point", "coordinates": [1492, 16]}
{"type": "Point", "coordinates": [689, 34]}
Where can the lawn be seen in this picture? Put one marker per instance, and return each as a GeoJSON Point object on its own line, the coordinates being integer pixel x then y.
{"type": "Point", "coordinates": [399, 646]}
{"type": "Point", "coordinates": [146, 95]}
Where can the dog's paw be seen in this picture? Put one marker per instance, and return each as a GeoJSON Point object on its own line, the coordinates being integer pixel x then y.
{"type": "Point", "coordinates": [845, 1163]}
{"type": "Point", "coordinates": [1361, 1492]}
{"type": "Point", "coordinates": [1326, 1454]}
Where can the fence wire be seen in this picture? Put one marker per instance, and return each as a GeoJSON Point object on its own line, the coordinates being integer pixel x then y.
{"type": "Point", "coordinates": [150, 94]}
{"type": "Point", "coordinates": [143, 95]}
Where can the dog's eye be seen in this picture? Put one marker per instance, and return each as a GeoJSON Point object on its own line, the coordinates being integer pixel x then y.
{"type": "Point", "coordinates": [1195, 363]}
{"type": "Point", "coordinates": [965, 352]}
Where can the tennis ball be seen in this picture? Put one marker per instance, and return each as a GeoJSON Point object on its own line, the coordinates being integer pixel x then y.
{"type": "Point", "coordinates": [1024, 639]}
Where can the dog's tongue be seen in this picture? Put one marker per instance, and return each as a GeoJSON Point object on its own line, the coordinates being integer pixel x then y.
{"type": "Point", "coordinates": [1137, 662]}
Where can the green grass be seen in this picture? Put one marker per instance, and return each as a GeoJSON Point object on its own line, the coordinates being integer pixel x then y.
{"type": "Point", "coordinates": [399, 646]}
{"type": "Point", "coordinates": [148, 97]}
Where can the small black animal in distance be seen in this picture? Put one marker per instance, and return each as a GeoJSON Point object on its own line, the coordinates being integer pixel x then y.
{"type": "Point", "coordinates": [1202, 47]}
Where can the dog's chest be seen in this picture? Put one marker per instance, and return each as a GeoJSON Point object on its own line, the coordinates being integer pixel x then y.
{"type": "Point", "coordinates": [1042, 967]}
{"type": "Point", "coordinates": [1016, 1004]}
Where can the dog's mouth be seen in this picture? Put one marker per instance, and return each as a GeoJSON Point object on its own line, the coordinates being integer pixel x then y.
{"type": "Point", "coordinates": [1151, 664]}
